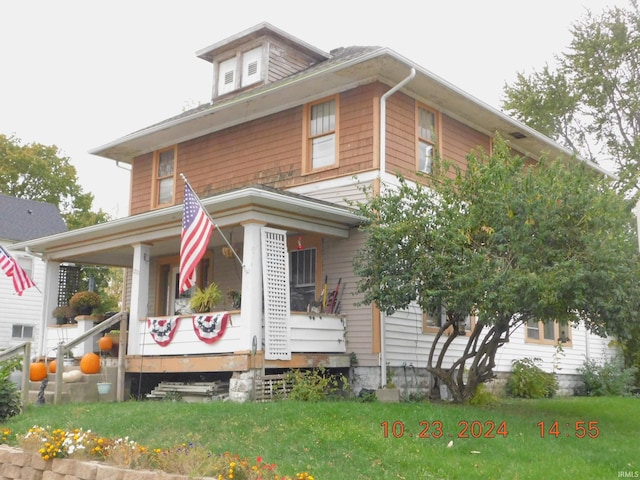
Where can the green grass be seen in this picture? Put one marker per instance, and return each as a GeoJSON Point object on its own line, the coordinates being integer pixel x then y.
{"type": "Point", "coordinates": [345, 440]}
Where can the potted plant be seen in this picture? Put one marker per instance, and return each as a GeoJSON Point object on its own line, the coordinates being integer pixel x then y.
{"type": "Point", "coordinates": [84, 302]}
{"type": "Point", "coordinates": [63, 314]}
{"type": "Point", "coordinates": [205, 299]}
{"type": "Point", "coordinates": [235, 297]}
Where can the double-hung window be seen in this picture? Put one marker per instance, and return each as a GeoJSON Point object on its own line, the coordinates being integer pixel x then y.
{"type": "Point", "coordinates": [165, 177]}
{"type": "Point", "coordinates": [321, 132]}
{"type": "Point", "coordinates": [427, 132]}
{"type": "Point", "coordinates": [550, 332]}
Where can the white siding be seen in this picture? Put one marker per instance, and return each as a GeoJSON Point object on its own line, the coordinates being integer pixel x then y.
{"type": "Point", "coordinates": [406, 344]}
{"type": "Point", "coordinates": [22, 310]}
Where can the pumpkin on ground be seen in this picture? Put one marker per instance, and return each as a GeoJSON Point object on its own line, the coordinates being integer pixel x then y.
{"type": "Point", "coordinates": [37, 371]}
{"type": "Point", "coordinates": [53, 366]}
{"type": "Point", "coordinates": [105, 343]}
{"type": "Point", "coordinates": [90, 363]}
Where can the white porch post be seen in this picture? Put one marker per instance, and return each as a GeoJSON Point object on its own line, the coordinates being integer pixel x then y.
{"type": "Point", "coordinates": [49, 302]}
{"type": "Point", "coordinates": [251, 307]}
{"type": "Point", "coordinates": [139, 295]}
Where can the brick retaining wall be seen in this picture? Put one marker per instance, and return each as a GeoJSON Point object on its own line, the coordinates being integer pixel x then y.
{"type": "Point", "coordinates": [17, 464]}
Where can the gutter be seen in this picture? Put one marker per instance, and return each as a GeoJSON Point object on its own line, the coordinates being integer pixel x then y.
{"type": "Point", "coordinates": [383, 165]}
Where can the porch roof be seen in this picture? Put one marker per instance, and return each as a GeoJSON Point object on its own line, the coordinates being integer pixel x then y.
{"type": "Point", "coordinates": [112, 243]}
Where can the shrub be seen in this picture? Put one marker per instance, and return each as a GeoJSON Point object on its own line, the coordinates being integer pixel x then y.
{"type": "Point", "coordinates": [528, 380]}
{"type": "Point", "coordinates": [10, 398]}
{"type": "Point", "coordinates": [609, 378]}
{"type": "Point", "coordinates": [313, 385]}
{"type": "Point", "coordinates": [483, 397]}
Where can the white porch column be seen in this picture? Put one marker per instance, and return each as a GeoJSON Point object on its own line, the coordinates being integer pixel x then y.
{"type": "Point", "coordinates": [251, 306]}
{"type": "Point", "coordinates": [49, 302]}
{"type": "Point", "coordinates": [139, 295]}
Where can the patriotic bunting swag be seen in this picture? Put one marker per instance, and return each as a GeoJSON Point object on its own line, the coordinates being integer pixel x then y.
{"type": "Point", "coordinates": [163, 329]}
{"type": "Point", "coordinates": [209, 328]}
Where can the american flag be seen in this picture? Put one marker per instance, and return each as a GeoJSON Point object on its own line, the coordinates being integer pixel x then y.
{"type": "Point", "coordinates": [196, 231]}
{"type": "Point", "coordinates": [10, 267]}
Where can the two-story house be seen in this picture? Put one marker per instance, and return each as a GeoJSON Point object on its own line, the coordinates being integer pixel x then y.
{"type": "Point", "coordinates": [291, 135]}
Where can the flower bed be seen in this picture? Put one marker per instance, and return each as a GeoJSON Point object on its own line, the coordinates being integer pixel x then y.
{"type": "Point", "coordinates": [84, 455]}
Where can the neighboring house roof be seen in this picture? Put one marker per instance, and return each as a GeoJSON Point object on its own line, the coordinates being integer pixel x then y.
{"type": "Point", "coordinates": [22, 219]}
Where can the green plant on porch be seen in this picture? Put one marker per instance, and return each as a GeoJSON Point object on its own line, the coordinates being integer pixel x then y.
{"type": "Point", "coordinates": [84, 302]}
{"type": "Point", "coordinates": [63, 314]}
{"type": "Point", "coordinates": [205, 299]}
{"type": "Point", "coordinates": [235, 297]}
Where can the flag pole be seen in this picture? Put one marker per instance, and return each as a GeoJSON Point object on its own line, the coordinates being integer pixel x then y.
{"type": "Point", "coordinates": [212, 222]}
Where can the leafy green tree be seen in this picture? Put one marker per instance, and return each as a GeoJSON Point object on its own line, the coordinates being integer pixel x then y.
{"type": "Point", "coordinates": [38, 172]}
{"type": "Point", "coordinates": [590, 100]}
{"type": "Point", "coordinates": [505, 240]}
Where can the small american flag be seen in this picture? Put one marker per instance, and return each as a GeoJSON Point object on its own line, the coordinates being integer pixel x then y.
{"type": "Point", "coordinates": [10, 267]}
{"type": "Point", "coordinates": [196, 232]}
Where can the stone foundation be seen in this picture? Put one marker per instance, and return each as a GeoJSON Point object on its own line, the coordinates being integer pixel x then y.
{"type": "Point", "coordinates": [416, 383]}
{"type": "Point", "coordinates": [17, 464]}
{"type": "Point", "coordinates": [241, 386]}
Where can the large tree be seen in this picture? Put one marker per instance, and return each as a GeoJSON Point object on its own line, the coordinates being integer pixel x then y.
{"type": "Point", "coordinates": [590, 99]}
{"type": "Point", "coordinates": [39, 172]}
{"type": "Point", "coordinates": [508, 241]}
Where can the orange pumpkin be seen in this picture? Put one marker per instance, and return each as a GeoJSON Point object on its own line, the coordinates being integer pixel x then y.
{"type": "Point", "coordinates": [37, 371]}
{"type": "Point", "coordinates": [52, 366]}
{"type": "Point", "coordinates": [105, 343]}
{"type": "Point", "coordinates": [90, 363]}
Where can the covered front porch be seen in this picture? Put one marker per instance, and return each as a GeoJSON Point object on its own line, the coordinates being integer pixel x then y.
{"type": "Point", "coordinates": [272, 328]}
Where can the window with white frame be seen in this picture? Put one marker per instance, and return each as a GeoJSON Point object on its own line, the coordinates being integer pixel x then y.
{"type": "Point", "coordinates": [322, 129]}
{"type": "Point", "coordinates": [21, 332]}
{"type": "Point", "coordinates": [427, 129]}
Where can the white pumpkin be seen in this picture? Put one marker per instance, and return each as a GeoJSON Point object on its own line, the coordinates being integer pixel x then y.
{"type": "Point", "coordinates": [71, 376]}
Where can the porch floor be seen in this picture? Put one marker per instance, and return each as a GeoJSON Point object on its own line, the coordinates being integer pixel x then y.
{"type": "Point", "coordinates": [233, 362]}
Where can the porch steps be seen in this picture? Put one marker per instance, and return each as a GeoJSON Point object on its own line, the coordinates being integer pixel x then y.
{"type": "Point", "coordinates": [191, 392]}
{"type": "Point", "coordinates": [272, 387]}
{"type": "Point", "coordinates": [81, 391]}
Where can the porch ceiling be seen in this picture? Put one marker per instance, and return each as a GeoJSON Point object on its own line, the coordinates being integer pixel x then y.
{"type": "Point", "coordinates": [112, 243]}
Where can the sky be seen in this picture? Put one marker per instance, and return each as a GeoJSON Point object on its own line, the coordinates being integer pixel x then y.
{"type": "Point", "coordinates": [82, 73]}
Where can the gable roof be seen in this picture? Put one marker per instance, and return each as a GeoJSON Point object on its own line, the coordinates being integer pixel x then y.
{"type": "Point", "coordinates": [22, 219]}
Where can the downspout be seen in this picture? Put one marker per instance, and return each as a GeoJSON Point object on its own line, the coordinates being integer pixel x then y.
{"type": "Point", "coordinates": [383, 166]}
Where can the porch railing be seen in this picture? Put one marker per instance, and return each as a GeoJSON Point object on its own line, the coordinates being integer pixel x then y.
{"type": "Point", "coordinates": [63, 348]}
{"type": "Point", "coordinates": [25, 348]}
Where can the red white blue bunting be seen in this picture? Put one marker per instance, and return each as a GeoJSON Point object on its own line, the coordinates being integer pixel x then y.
{"type": "Point", "coordinates": [210, 327]}
{"type": "Point", "coordinates": [163, 329]}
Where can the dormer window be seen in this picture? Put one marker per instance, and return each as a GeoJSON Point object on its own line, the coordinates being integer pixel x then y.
{"type": "Point", "coordinates": [240, 71]}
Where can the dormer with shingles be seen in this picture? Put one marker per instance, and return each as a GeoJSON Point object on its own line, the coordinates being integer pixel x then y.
{"type": "Point", "coordinates": [258, 56]}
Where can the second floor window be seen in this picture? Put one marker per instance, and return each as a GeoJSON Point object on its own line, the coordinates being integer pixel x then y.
{"type": "Point", "coordinates": [322, 134]}
{"type": "Point", "coordinates": [427, 129]}
{"type": "Point", "coordinates": [165, 168]}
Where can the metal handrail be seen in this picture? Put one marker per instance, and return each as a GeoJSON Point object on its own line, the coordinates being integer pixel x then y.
{"type": "Point", "coordinates": [25, 347]}
{"type": "Point", "coordinates": [63, 348]}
